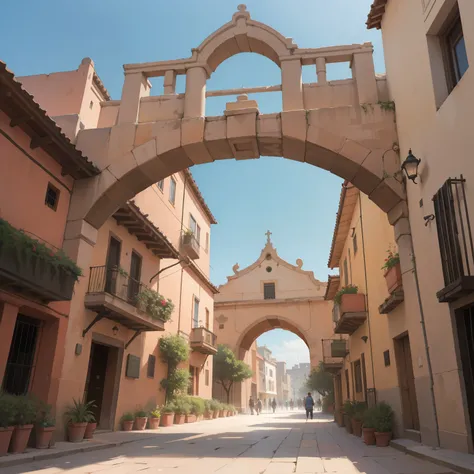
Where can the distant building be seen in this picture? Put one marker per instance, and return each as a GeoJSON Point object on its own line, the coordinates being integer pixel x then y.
{"type": "Point", "coordinates": [299, 374]}
{"type": "Point", "coordinates": [268, 375]}
{"type": "Point", "coordinates": [284, 393]}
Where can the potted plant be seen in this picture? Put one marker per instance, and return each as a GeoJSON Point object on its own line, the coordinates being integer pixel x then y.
{"type": "Point", "coordinates": [383, 418]}
{"type": "Point", "coordinates": [7, 417]}
{"type": "Point", "coordinates": [154, 418]}
{"type": "Point", "coordinates": [45, 426]}
{"type": "Point", "coordinates": [349, 300]}
{"type": "Point", "coordinates": [348, 412]}
{"type": "Point", "coordinates": [339, 417]}
{"type": "Point", "coordinates": [127, 420]}
{"type": "Point", "coordinates": [197, 407]}
{"type": "Point", "coordinates": [215, 406]}
{"type": "Point", "coordinates": [167, 414]}
{"type": "Point", "coordinates": [392, 271]}
{"type": "Point", "coordinates": [221, 410]}
{"type": "Point", "coordinates": [181, 409]}
{"type": "Point", "coordinates": [359, 409]}
{"type": "Point", "coordinates": [154, 304]}
{"type": "Point", "coordinates": [141, 418]}
{"type": "Point", "coordinates": [368, 427]}
{"type": "Point", "coordinates": [77, 416]}
{"type": "Point", "coordinates": [91, 427]}
{"type": "Point", "coordinates": [207, 410]}
{"type": "Point", "coordinates": [25, 416]}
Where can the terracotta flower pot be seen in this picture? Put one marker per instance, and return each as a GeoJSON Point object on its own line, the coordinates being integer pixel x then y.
{"type": "Point", "coordinates": [215, 414]}
{"type": "Point", "coordinates": [382, 440]}
{"type": "Point", "coordinates": [5, 437]}
{"type": "Point", "coordinates": [154, 423]}
{"type": "Point", "coordinates": [369, 436]}
{"type": "Point", "coordinates": [191, 418]}
{"type": "Point", "coordinates": [20, 437]}
{"type": "Point", "coordinates": [199, 417]}
{"type": "Point", "coordinates": [221, 413]}
{"type": "Point", "coordinates": [75, 432]}
{"type": "Point", "coordinates": [167, 419]}
{"type": "Point", "coordinates": [356, 427]}
{"type": "Point", "coordinates": [44, 436]}
{"type": "Point", "coordinates": [127, 425]}
{"type": "Point", "coordinates": [140, 422]}
{"type": "Point", "coordinates": [352, 303]}
{"type": "Point", "coordinates": [179, 419]}
{"type": "Point", "coordinates": [393, 277]}
{"type": "Point", "coordinates": [208, 415]}
{"type": "Point", "coordinates": [347, 423]}
{"type": "Point", "coordinates": [90, 429]}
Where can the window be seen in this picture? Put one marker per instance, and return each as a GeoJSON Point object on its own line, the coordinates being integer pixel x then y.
{"type": "Point", "coordinates": [269, 291]}
{"type": "Point", "coordinates": [271, 373]}
{"type": "Point", "coordinates": [348, 392]}
{"type": "Point", "coordinates": [455, 51]}
{"type": "Point", "coordinates": [196, 313]}
{"type": "Point", "coordinates": [160, 184]}
{"type": "Point", "coordinates": [172, 191]}
{"type": "Point", "coordinates": [346, 274]}
{"type": "Point", "coordinates": [151, 366]}
{"type": "Point", "coordinates": [206, 377]}
{"type": "Point", "coordinates": [354, 243]}
{"type": "Point", "coordinates": [91, 105]}
{"type": "Point", "coordinates": [386, 358]}
{"type": "Point", "coordinates": [194, 227]}
{"type": "Point", "coordinates": [207, 242]}
{"type": "Point", "coordinates": [52, 197]}
{"type": "Point", "coordinates": [358, 376]}
{"type": "Point", "coordinates": [207, 318]}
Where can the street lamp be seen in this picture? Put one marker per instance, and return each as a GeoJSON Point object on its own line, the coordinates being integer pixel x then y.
{"type": "Point", "coordinates": [410, 166]}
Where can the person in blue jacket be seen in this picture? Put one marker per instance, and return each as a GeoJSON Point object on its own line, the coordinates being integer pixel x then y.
{"type": "Point", "coordinates": [309, 405]}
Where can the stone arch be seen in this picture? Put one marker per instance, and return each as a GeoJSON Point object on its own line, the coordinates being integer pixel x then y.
{"type": "Point", "coordinates": [243, 35]}
{"type": "Point", "coordinates": [306, 136]}
{"type": "Point", "coordinates": [267, 324]}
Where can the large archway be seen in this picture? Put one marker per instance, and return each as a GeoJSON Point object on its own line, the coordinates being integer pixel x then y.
{"type": "Point", "coordinates": [345, 127]}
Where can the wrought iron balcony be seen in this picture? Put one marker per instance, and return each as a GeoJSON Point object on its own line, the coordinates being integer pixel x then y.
{"type": "Point", "coordinates": [24, 271]}
{"type": "Point", "coordinates": [204, 341]}
{"type": "Point", "coordinates": [190, 245]}
{"type": "Point", "coordinates": [350, 314]}
{"type": "Point", "coordinates": [334, 351]}
{"type": "Point", "coordinates": [455, 240]}
{"type": "Point", "coordinates": [114, 295]}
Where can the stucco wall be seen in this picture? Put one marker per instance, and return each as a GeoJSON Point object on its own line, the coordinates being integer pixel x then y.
{"type": "Point", "coordinates": [439, 132]}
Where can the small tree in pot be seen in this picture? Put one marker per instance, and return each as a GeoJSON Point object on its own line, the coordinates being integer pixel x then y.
{"type": "Point", "coordinates": [207, 409]}
{"type": "Point", "coordinates": [181, 409]}
{"type": "Point", "coordinates": [45, 426]}
{"type": "Point", "coordinates": [348, 413]}
{"type": "Point", "coordinates": [77, 416]}
{"type": "Point", "coordinates": [359, 409]}
{"type": "Point", "coordinates": [127, 421]}
{"type": "Point", "coordinates": [7, 417]}
{"type": "Point", "coordinates": [25, 416]}
{"type": "Point", "coordinates": [383, 416]}
{"type": "Point", "coordinates": [154, 418]}
{"type": "Point", "coordinates": [368, 427]}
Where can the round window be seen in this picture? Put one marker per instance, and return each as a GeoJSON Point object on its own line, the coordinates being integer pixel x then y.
{"type": "Point", "coordinates": [269, 269]}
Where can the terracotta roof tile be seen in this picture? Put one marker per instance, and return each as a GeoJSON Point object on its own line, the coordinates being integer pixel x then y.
{"type": "Point", "coordinates": [199, 196]}
{"type": "Point", "coordinates": [377, 10]}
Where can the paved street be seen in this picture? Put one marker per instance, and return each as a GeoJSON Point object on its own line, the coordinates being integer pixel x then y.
{"type": "Point", "coordinates": [278, 443]}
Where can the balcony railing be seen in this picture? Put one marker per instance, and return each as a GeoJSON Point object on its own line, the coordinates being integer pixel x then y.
{"type": "Point", "coordinates": [190, 245]}
{"type": "Point", "coordinates": [455, 240]}
{"type": "Point", "coordinates": [334, 351]}
{"type": "Point", "coordinates": [204, 341]}
{"type": "Point", "coordinates": [116, 295]}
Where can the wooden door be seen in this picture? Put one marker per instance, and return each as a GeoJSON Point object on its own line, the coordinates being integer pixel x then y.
{"type": "Point", "coordinates": [135, 276]}
{"type": "Point", "coordinates": [112, 265]}
{"type": "Point", "coordinates": [406, 381]}
{"type": "Point", "coordinates": [95, 383]}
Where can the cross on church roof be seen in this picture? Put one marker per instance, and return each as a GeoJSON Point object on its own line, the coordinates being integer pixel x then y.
{"type": "Point", "coordinates": [268, 234]}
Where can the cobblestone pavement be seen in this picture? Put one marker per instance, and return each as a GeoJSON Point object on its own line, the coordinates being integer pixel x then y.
{"type": "Point", "coordinates": [279, 443]}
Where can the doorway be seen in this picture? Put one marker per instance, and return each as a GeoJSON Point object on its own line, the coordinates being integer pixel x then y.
{"type": "Point", "coordinates": [406, 381]}
{"type": "Point", "coordinates": [95, 382]}
{"type": "Point", "coordinates": [465, 331]}
{"type": "Point", "coordinates": [135, 277]}
{"type": "Point", "coordinates": [112, 265]}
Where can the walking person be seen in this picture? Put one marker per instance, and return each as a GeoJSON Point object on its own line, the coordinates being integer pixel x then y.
{"type": "Point", "coordinates": [292, 405]}
{"type": "Point", "coordinates": [274, 405]}
{"type": "Point", "coordinates": [259, 406]}
{"type": "Point", "coordinates": [251, 405]}
{"type": "Point", "coordinates": [309, 405]}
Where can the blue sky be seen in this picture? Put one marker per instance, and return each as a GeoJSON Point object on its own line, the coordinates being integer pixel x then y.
{"type": "Point", "coordinates": [297, 202]}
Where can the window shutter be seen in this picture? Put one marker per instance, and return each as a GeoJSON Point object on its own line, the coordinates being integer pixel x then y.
{"type": "Point", "coordinates": [133, 367]}
{"type": "Point", "coordinates": [269, 291]}
{"type": "Point", "coordinates": [151, 366]}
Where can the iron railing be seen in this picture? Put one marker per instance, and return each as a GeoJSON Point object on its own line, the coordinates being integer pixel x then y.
{"type": "Point", "coordinates": [116, 282]}
{"type": "Point", "coordinates": [191, 245]}
{"type": "Point", "coordinates": [202, 335]}
{"type": "Point", "coordinates": [454, 230]}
